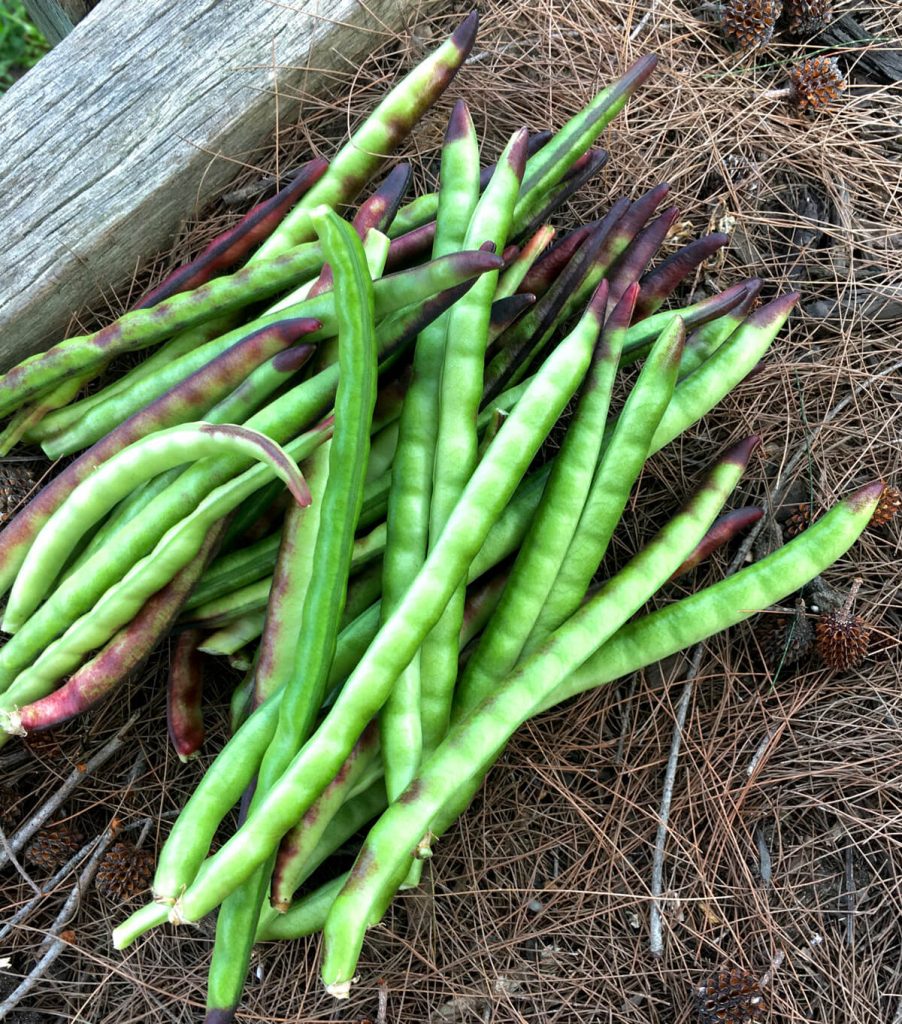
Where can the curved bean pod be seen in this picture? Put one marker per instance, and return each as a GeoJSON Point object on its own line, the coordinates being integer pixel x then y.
{"type": "Point", "coordinates": [476, 741]}
{"type": "Point", "coordinates": [510, 281]}
{"type": "Point", "coordinates": [305, 917]}
{"type": "Point", "coordinates": [114, 479]}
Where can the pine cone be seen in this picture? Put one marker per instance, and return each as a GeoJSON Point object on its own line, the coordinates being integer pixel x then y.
{"type": "Point", "coordinates": [748, 24]}
{"type": "Point", "coordinates": [51, 847]}
{"type": "Point", "coordinates": [815, 83]}
{"type": "Point", "coordinates": [887, 507]}
{"type": "Point", "coordinates": [784, 639]}
{"type": "Point", "coordinates": [125, 872]}
{"type": "Point", "coordinates": [799, 521]}
{"type": "Point", "coordinates": [730, 997]}
{"type": "Point", "coordinates": [805, 17]}
{"type": "Point", "coordinates": [843, 638]}
{"type": "Point", "coordinates": [17, 479]}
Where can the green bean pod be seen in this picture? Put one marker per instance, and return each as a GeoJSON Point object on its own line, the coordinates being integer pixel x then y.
{"type": "Point", "coordinates": [624, 456]}
{"type": "Point", "coordinates": [693, 619]}
{"type": "Point", "coordinates": [407, 518]}
{"type": "Point", "coordinates": [456, 444]}
{"type": "Point", "coordinates": [474, 743]}
{"type": "Point", "coordinates": [235, 635]}
{"type": "Point", "coordinates": [545, 546]}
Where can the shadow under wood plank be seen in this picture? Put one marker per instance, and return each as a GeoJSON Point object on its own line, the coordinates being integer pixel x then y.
{"type": "Point", "coordinates": [112, 138]}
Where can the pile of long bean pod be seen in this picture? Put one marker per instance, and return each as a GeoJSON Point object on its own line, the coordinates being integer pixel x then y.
{"type": "Point", "coordinates": [338, 494]}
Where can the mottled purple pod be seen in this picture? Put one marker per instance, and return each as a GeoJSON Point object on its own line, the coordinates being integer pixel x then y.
{"type": "Point", "coordinates": [657, 284]}
{"type": "Point", "coordinates": [184, 710]}
{"type": "Point", "coordinates": [102, 675]}
{"type": "Point", "coordinates": [379, 135]}
{"type": "Point", "coordinates": [233, 245]}
{"type": "Point", "coordinates": [724, 529]}
{"type": "Point", "coordinates": [635, 258]}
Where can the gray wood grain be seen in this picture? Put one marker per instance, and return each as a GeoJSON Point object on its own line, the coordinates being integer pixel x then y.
{"type": "Point", "coordinates": [125, 127]}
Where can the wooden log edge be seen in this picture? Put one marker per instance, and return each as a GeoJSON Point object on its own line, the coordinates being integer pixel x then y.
{"type": "Point", "coordinates": [138, 116]}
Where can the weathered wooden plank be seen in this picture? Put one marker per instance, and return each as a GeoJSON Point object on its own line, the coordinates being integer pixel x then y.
{"type": "Point", "coordinates": [114, 136]}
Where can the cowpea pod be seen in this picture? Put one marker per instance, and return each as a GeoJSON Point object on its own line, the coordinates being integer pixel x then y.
{"type": "Point", "coordinates": [541, 205]}
{"type": "Point", "coordinates": [724, 529]}
{"type": "Point", "coordinates": [306, 916]}
{"type": "Point", "coordinates": [643, 248]}
{"type": "Point", "coordinates": [545, 546]}
{"type": "Point", "coordinates": [380, 134]}
{"type": "Point", "coordinates": [285, 594]}
{"type": "Point", "coordinates": [118, 604]}
{"type": "Point", "coordinates": [642, 334]}
{"type": "Point", "coordinates": [357, 774]}
{"type": "Point", "coordinates": [184, 713]}
{"type": "Point", "coordinates": [114, 479]}
{"type": "Point", "coordinates": [704, 340]}
{"type": "Point", "coordinates": [624, 454]}
{"type": "Point", "coordinates": [299, 658]}
{"type": "Point", "coordinates": [96, 680]}
{"type": "Point", "coordinates": [558, 155]}
{"type": "Point", "coordinates": [145, 327]}
{"type": "Point", "coordinates": [510, 281]}
{"type": "Point", "coordinates": [543, 273]}
{"type": "Point", "coordinates": [236, 635]}
{"type": "Point", "coordinates": [487, 492]}
{"type": "Point", "coordinates": [683, 623]}
{"type": "Point", "coordinates": [235, 605]}
{"type": "Point", "coordinates": [30, 417]}
{"type": "Point", "coordinates": [456, 442]}
{"type": "Point", "coordinates": [230, 247]}
{"type": "Point", "coordinates": [475, 742]}
{"type": "Point", "coordinates": [657, 284]}
{"type": "Point", "coordinates": [407, 516]}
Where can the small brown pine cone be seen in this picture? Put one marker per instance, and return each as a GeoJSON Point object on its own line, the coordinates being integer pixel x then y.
{"type": "Point", "coordinates": [843, 638]}
{"type": "Point", "coordinates": [784, 639]}
{"type": "Point", "coordinates": [815, 83]}
{"type": "Point", "coordinates": [797, 522]}
{"type": "Point", "coordinates": [125, 872]}
{"type": "Point", "coordinates": [887, 507]}
{"type": "Point", "coordinates": [17, 479]}
{"type": "Point", "coordinates": [805, 17]}
{"type": "Point", "coordinates": [51, 847]}
{"type": "Point", "coordinates": [730, 996]}
{"type": "Point", "coordinates": [748, 24]}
